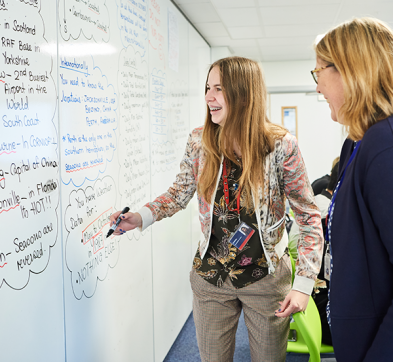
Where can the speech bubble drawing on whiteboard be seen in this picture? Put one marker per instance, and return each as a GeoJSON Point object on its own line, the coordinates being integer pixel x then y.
{"type": "Point", "coordinates": [132, 22]}
{"type": "Point", "coordinates": [26, 249]}
{"type": "Point", "coordinates": [178, 109]}
{"type": "Point", "coordinates": [28, 101]}
{"type": "Point", "coordinates": [169, 125]}
{"type": "Point", "coordinates": [29, 173]}
{"type": "Point", "coordinates": [88, 109]}
{"type": "Point", "coordinates": [134, 145]}
{"type": "Point", "coordinates": [162, 145]}
{"type": "Point", "coordinates": [90, 18]}
{"type": "Point", "coordinates": [88, 253]}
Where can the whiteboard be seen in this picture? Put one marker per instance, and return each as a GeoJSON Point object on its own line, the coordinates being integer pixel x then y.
{"type": "Point", "coordinates": [99, 99]}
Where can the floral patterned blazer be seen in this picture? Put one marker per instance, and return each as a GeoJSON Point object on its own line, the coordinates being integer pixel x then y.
{"type": "Point", "coordinates": [285, 177]}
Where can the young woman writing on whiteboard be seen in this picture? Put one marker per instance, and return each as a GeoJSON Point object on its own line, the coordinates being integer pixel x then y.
{"type": "Point", "coordinates": [242, 168]}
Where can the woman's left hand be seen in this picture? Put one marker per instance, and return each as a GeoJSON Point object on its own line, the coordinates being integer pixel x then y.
{"type": "Point", "coordinates": [294, 302]}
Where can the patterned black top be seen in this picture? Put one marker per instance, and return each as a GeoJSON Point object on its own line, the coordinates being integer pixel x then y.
{"type": "Point", "coordinates": [245, 266]}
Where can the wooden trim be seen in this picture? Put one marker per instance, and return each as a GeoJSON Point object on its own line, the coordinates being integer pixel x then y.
{"type": "Point", "coordinates": [289, 126]}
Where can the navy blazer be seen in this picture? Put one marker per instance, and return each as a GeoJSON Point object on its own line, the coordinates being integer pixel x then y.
{"type": "Point", "coordinates": [361, 288]}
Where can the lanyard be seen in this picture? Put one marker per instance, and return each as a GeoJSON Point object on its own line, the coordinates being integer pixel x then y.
{"type": "Point", "coordinates": [332, 202]}
{"type": "Point", "coordinates": [328, 236]}
{"type": "Point", "coordinates": [226, 190]}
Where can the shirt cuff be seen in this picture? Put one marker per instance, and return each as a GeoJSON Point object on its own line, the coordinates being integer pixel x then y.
{"type": "Point", "coordinates": [303, 284]}
{"type": "Point", "coordinates": [147, 218]}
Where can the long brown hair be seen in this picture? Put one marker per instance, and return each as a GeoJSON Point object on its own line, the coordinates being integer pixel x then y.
{"type": "Point", "coordinates": [362, 51]}
{"type": "Point", "coordinates": [246, 124]}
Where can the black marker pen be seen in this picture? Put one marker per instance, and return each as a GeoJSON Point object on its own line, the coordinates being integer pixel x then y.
{"type": "Point", "coordinates": [113, 228]}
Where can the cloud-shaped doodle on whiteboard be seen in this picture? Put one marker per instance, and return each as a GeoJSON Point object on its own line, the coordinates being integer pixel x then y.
{"type": "Point", "coordinates": [29, 193]}
{"type": "Point", "coordinates": [90, 17]}
{"type": "Point", "coordinates": [88, 105]}
{"type": "Point", "coordinates": [132, 22]}
{"type": "Point", "coordinates": [88, 253]}
{"type": "Point", "coordinates": [27, 248]}
{"type": "Point", "coordinates": [133, 145]}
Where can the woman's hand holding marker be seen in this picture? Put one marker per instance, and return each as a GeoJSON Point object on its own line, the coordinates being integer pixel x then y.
{"type": "Point", "coordinates": [129, 221]}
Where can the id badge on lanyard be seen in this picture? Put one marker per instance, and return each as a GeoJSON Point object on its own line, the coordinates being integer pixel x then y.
{"type": "Point", "coordinates": [243, 232]}
{"type": "Point", "coordinates": [240, 237]}
{"type": "Point", "coordinates": [326, 261]}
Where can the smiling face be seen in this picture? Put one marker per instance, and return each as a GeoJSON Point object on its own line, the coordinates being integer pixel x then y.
{"type": "Point", "coordinates": [330, 84]}
{"type": "Point", "coordinates": [215, 98]}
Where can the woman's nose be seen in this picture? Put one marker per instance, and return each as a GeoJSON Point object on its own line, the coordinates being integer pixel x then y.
{"type": "Point", "coordinates": [209, 96]}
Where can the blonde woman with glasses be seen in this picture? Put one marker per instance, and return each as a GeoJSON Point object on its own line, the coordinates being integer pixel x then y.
{"type": "Point", "coordinates": [354, 71]}
{"type": "Point", "coordinates": [243, 168]}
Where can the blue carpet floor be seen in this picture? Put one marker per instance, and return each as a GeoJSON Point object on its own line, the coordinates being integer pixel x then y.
{"type": "Point", "coordinates": [185, 348]}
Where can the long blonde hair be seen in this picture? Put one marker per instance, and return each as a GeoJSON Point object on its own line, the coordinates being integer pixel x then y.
{"type": "Point", "coordinates": [246, 124]}
{"type": "Point", "coordinates": [362, 51]}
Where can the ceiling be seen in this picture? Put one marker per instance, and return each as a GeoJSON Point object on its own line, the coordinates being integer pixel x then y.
{"type": "Point", "coordinates": [275, 30]}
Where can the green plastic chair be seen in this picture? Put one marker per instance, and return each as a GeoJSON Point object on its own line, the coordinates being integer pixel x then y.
{"type": "Point", "coordinates": [308, 329]}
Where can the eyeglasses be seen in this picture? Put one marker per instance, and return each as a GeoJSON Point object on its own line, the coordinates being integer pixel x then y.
{"type": "Point", "coordinates": [314, 72]}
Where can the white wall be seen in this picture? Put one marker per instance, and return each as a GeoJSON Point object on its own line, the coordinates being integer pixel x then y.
{"type": "Point", "coordinates": [219, 53]}
{"type": "Point", "coordinates": [289, 74]}
{"type": "Point", "coordinates": [320, 139]}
